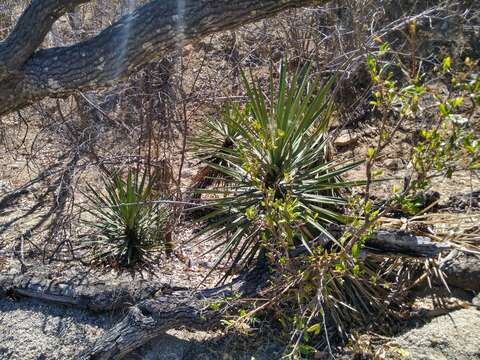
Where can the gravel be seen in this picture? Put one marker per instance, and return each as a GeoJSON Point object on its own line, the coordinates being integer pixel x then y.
{"type": "Point", "coordinates": [211, 345]}
{"type": "Point", "coordinates": [31, 329]}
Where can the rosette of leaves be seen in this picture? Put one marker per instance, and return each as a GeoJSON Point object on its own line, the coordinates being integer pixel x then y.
{"type": "Point", "coordinates": [127, 223]}
{"type": "Point", "coordinates": [217, 138]}
{"type": "Point", "coordinates": [278, 189]}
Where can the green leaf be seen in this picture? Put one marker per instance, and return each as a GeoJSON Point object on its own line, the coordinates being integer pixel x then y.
{"type": "Point", "coordinates": [355, 250]}
{"type": "Point", "coordinates": [306, 349]}
{"type": "Point", "coordinates": [128, 222]}
{"type": "Point", "coordinates": [446, 64]}
{"type": "Point", "coordinates": [372, 63]}
{"type": "Point", "coordinates": [370, 152]}
{"type": "Point", "coordinates": [315, 329]}
{"type": "Point", "coordinates": [443, 109]}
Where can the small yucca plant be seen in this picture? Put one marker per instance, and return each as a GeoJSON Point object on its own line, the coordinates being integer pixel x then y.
{"type": "Point", "coordinates": [127, 223]}
{"type": "Point", "coordinates": [277, 184]}
{"type": "Point", "coordinates": [218, 137]}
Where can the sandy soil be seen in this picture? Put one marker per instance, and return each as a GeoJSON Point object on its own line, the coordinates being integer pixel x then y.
{"type": "Point", "coordinates": [33, 330]}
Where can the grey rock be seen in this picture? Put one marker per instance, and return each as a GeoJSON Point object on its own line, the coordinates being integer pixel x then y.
{"type": "Point", "coordinates": [462, 270]}
{"type": "Point", "coordinates": [476, 300]}
{"type": "Point", "coordinates": [455, 336]}
{"type": "Point", "coordinates": [346, 138]}
{"type": "Point", "coordinates": [393, 164]}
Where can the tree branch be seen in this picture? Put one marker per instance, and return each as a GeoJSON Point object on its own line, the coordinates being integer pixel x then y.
{"type": "Point", "coordinates": [147, 34]}
{"type": "Point", "coordinates": [30, 31]}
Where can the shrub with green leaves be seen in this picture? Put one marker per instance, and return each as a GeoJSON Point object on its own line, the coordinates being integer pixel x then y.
{"type": "Point", "coordinates": [447, 101]}
{"type": "Point", "coordinates": [127, 223]}
{"type": "Point", "coordinates": [278, 189]}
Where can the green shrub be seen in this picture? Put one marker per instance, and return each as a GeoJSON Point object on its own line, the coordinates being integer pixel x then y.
{"type": "Point", "coordinates": [277, 189]}
{"type": "Point", "coordinates": [127, 223]}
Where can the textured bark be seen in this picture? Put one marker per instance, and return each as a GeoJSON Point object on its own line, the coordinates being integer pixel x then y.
{"type": "Point", "coordinates": [98, 296]}
{"type": "Point", "coordinates": [395, 243]}
{"type": "Point", "coordinates": [94, 296]}
{"type": "Point", "coordinates": [30, 31]}
{"type": "Point", "coordinates": [193, 309]}
{"type": "Point", "coordinates": [406, 244]}
{"type": "Point", "coordinates": [153, 317]}
{"type": "Point", "coordinates": [158, 28]}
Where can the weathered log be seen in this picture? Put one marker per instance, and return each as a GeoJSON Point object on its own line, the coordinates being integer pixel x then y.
{"type": "Point", "coordinates": [98, 296]}
{"type": "Point", "coordinates": [94, 296]}
{"type": "Point", "coordinates": [399, 242]}
{"type": "Point", "coordinates": [160, 307]}
{"type": "Point", "coordinates": [152, 318]}
{"type": "Point", "coordinates": [396, 242]}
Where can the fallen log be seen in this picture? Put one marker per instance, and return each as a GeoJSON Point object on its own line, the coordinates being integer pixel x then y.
{"type": "Point", "coordinates": [400, 242]}
{"type": "Point", "coordinates": [151, 318]}
{"type": "Point", "coordinates": [101, 297]}
{"type": "Point", "coordinates": [392, 242]}
{"type": "Point", "coordinates": [94, 296]}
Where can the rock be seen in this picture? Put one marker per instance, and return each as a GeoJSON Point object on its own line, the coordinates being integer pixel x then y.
{"type": "Point", "coordinates": [335, 123]}
{"type": "Point", "coordinates": [452, 336]}
{"type": "Point", "coordinates": [393, 164]}
{"type": "Point", "coordinates": [476, 300]}
{"type": "Point", "coordinates": [462, 270]}
{"type": "Point", "coordinates": [3, 187]}
{"type": "Point", "coordinates": [426, 198]}
{"type": "Point", "coordinates": [464, 201]}
{"type": "Point", "coordinates": [277, 55]}
{"type": "Point", "coordinates": [345, 138]}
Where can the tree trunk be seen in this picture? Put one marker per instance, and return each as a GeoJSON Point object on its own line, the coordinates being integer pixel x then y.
{"type": "Point", "coordinates": [99, 297]}
{"type": "Point", "coordinates": [147, 34]}
{"type": "Point", "coordinates": [91, 295]}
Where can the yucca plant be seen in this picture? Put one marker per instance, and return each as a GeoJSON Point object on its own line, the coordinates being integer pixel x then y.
{"type": "Point", "coordinates": [217, 137]}
{"type": "Point", "coordinates": [277, 185]}
{"type": "Point", "coordinates": [127, 223]}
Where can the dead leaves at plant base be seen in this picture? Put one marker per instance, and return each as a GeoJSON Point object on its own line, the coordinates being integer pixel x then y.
{"type": "Point", "coordinates": [391, 350]}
